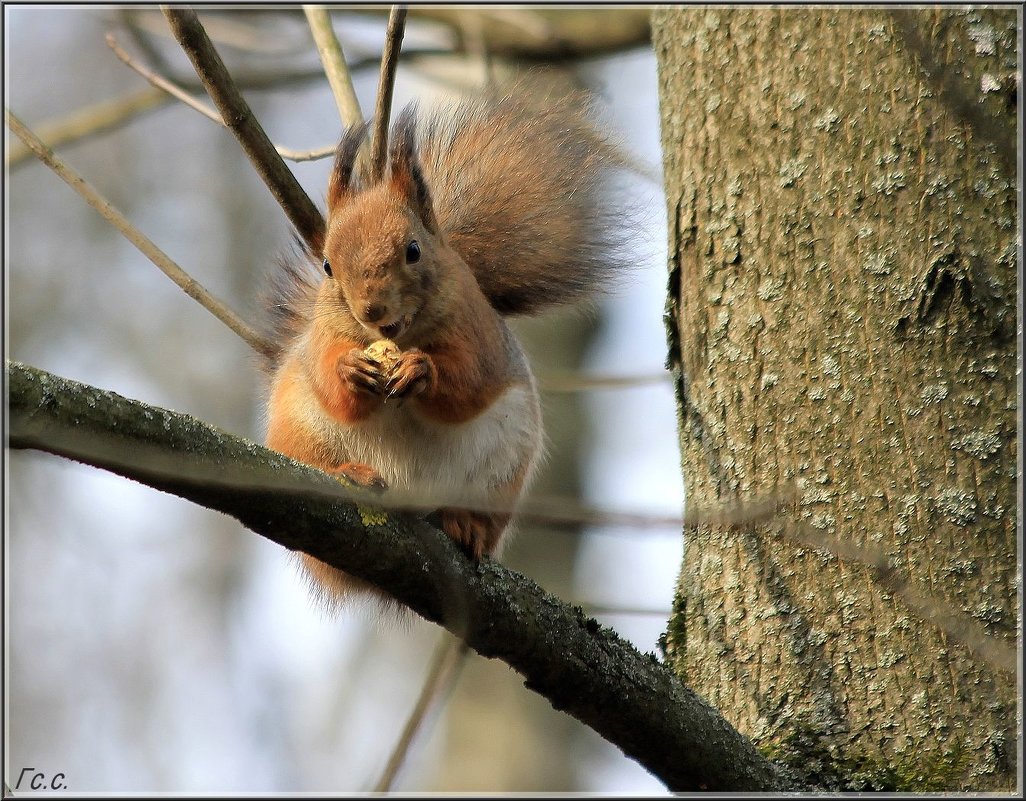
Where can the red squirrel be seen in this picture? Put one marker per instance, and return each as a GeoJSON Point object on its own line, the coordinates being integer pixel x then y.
{"type": "Point", "coordinates": [497, 205]}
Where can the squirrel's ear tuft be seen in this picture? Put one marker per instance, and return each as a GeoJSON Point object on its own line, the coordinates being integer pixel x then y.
{"type": "Point", "coordinates": [406, 175]}
{"type": "Point", "coordinates": [341, 184]}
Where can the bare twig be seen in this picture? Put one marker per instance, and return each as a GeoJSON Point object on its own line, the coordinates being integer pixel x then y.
{"type": "Point", "coordinates": [163, 83]}
{"type": "Point", "coordinates": [94, 119]}
{"type": "Point", "coordinates": [189, 285]}
{"type": "Point", "coordinates": [449, 658]}
{"type": "Point", "coordinates": [235, 111]}
{"type": "Point", "coordinates": [128, 21]}
{"type": "Point", "coordinates": [229, 29]}
{"type": "Point", "coordinates": [386, 84]}
{"type": "Point", "coordinates": [306, 155]}
{"type": "Point", "coordinates": [612, 609]}
{"type": "Point", "coordinates": [174, 90]}
{"type": "Point", "coordinates": [334, 61]}
{"type": "Point", "coordinates": [572, 381]}
{"type": "Point", "coordinates": [562, 512]}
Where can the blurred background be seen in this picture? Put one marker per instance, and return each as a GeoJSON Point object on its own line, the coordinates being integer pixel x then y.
{"type": "Point", "coordinates": [154, 646]}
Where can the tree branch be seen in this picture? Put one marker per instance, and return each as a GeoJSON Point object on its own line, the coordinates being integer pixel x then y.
{"type": "Point", "coordinates": [91, 120]}
{"type": "Point", "coordinates": [450, 656]}
{"type": "Point", "coordinates": [162, 83]}
{"type": "Point", "coordinates": [581, 668]}
{"type": "Point", "coordinates": [235, 111]}
{"type": "Point", "coordinates": [164, 263]}
{"type": "Point", "coordinates": [334, 61]}
{"type": "Point", "coordinates": [553, 34]}
{"type": "Point", "coordinates": [536, 34]}
{"type": "Point", "coordinates": [386, 83]}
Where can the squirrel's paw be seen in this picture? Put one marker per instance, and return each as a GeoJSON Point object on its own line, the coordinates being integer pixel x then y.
{"type": "Point", "coordinates": [478, 533]}
{"type": "Point", "coordinates": [361, 373]}
{"type": "Point", "coordinates": [361, 475]}
{"type": "Point", "coordinates": [414, 374]}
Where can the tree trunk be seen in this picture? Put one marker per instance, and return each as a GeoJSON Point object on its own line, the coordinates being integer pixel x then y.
{"type": "Point", "coordinates": [841, 195]}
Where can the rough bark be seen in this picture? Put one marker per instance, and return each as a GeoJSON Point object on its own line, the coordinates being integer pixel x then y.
{"type": "Point", "coordinates": [843, 280]}
{"type": "Point", "coordinates": [581, 668]}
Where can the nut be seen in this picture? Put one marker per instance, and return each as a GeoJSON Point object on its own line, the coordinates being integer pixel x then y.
{"type": "Point", "coordinates": [385, 352]}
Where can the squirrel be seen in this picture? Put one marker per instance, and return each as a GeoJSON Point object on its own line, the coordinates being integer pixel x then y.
{"type": "Point", "coordinates": [494, 206]}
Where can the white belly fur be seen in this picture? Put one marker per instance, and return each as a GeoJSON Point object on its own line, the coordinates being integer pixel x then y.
{"type": "Point", "coordinates": [441, 463]}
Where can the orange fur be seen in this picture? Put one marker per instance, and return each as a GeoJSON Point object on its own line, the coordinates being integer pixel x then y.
{"type": "Point", "coordinates": [471, 376]}
{"type": "Point", "coordinates": [343, 401]}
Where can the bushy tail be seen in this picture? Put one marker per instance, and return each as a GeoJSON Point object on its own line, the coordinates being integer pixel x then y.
{"type": "Point", "coordinates": [522, 183]}
{"type": "Point", "coordinates": [287, 299]}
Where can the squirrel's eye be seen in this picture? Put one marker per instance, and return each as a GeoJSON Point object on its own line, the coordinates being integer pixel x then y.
{"type": "Point", "coordinates": [412, 252]}
{"type": "Point", "coordinates": [327, 268]}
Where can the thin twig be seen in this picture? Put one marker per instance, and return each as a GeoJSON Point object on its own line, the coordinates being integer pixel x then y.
{"type": "Point", "coordinates": [189, 285]}
{"type": "Point", "coordinates": [322, 152]}
{"type": "Point", "coordinates": [386, 85]}
{"type": "Point", "coordinates": [556, 511]}
{"type": "Point", "coordinates": [226, 29]}
{"type": "Point", "coordinates": [235, 111]}
{"type": "Point", "coordinates": [571, 381]}
{"type": "Point", "coordinates": [449, 658]}
{"type": "Point", "coordinates": [210, 113]}
{"type": "Point", "coordinates": [334, 61]}
{"type": "Point", "coordinates": [476, 44]}
{"type": "Point", "coordinates": [163, 83]}
{"type": "Point", "coordinates": [89, 121]}
{"type": "Point", "coordinates": [612, 609]}
{"type": "Point", "coordinates": [128, 20]}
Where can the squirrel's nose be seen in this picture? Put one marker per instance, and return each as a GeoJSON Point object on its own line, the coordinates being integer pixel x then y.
{"type": "Point", "coordinates": [373, 312]}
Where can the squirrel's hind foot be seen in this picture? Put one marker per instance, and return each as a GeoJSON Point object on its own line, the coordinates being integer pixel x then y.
{"type": "Point", "coordinates": [477, 532]}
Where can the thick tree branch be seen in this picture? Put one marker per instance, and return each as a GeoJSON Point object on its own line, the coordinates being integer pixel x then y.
{"type": "Point", "coordinates": [581, 668]}
{"type": "Point", "coordinates": [545, 34]}
{"type": "Point", "coordinates": [301, 211]}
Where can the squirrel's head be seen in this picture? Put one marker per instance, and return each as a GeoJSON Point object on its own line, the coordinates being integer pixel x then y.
{"type": "Point", "coordinates": [383, 248]}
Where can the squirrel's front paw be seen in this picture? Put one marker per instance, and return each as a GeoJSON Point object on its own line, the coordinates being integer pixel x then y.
{"type": "Point", "coordinates": [413, 374]}
{"type": "Point", "coordinates": [361, 475]}
{"type": "Point", "coordinates": [361, 373]}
